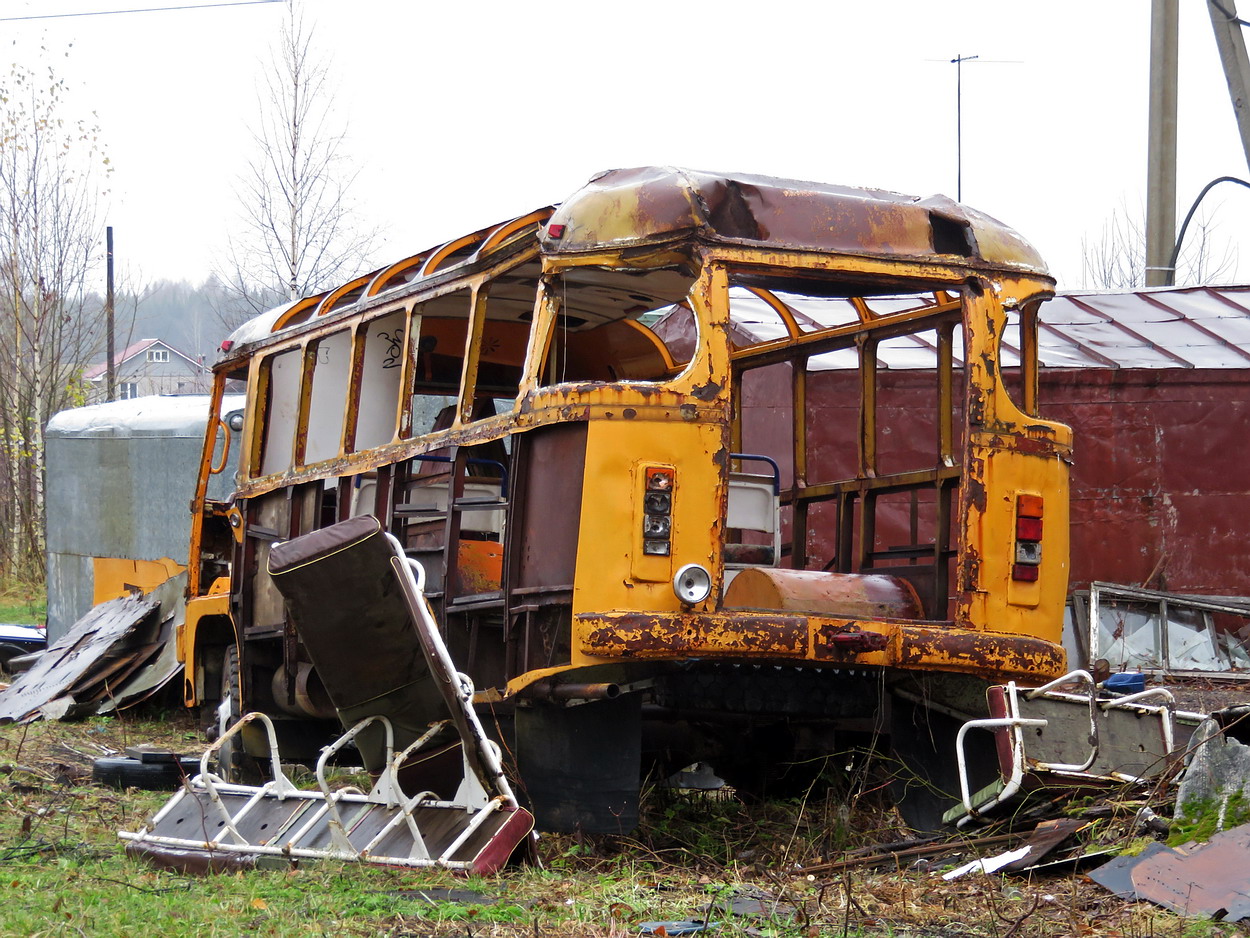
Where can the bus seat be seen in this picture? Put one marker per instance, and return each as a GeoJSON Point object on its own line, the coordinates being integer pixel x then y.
{"type": "Point", "coordinates": [753, 507]}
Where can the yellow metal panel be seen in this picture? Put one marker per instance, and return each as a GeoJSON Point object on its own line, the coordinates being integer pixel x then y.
{"type": "Point", "coordinates": [609, 555]}
{"type": "Point", "coordinates": [116, 576]}
{"type": "Point", "coordinates": [198, 609]}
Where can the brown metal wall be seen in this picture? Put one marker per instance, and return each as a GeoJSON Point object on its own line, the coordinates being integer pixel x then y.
{"type": "Point", "coordinates": [1160, 485]}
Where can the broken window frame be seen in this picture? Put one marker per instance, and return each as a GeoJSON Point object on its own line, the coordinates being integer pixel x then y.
{"type": "Point", "coordinates": [856, 497]}
{"type": "Point", "coordinates": [1089, 624]}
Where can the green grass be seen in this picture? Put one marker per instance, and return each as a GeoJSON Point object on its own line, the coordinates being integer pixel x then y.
{"type": "Point", "coordinates": [63, 871]}
{"type": "Point", "coordinates": [23, 603]}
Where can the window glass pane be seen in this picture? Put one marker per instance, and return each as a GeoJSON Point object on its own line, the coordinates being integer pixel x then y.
{"type": "Point", "coordinates": [1128, 635]}
{"type": "Point", "coordinates": [379, 382]}
{"type": "Point", "coordinates": [329, 397]}
{"type": "Point", "coordinates": [1190, 644]}
{"type": "Point", "coordinates": [280, 412]}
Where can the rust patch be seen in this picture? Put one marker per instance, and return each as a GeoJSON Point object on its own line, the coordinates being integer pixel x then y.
{"type": "Point", "coordinates": [987, 653]}
{"type": "Point", "coordinates": [689, 412]}
{"type": "Point", "coordinates": [629, 413]}
{"type": "Point", "coordinates": [706, 392]}
{"type": "Point", "coordinates": [970, 569]}
{"type": "Point", "coordinates": [974, 485]}
{"type": "Point", "coordinates": [643, 635]}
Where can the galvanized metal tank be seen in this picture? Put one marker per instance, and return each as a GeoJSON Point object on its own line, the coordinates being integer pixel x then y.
{"type": "Point", "coordinates": [120, 479]}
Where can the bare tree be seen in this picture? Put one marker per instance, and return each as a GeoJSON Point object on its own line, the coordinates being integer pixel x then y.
{"type": "Point", "coordinates": [299, 229]}
{"type": "Point", "coordinates": [1116, 258]}
{"type": "Point", "coordinates": [50, 324]}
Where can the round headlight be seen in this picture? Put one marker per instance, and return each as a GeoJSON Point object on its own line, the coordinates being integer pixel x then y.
{"type": "Point", "coordinates": [692, 584]}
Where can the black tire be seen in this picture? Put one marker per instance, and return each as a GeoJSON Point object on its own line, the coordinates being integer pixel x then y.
{"type": "Point", "coordinates": [234, 764]}
{"type": "Point", "coordinates": [152, 776]}
{"type": "Point", "coordinates": [924, 780]}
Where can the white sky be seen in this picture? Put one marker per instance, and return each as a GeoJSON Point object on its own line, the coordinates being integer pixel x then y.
{"type": "Point", "coordinates": [462, 114]}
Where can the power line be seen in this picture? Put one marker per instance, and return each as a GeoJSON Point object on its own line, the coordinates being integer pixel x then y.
{"type": "Point", "coordinates": [197, 6]}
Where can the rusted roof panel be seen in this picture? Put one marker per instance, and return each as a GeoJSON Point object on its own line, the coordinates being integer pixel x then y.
{"type": "Point", "coordinates": [657, 204]}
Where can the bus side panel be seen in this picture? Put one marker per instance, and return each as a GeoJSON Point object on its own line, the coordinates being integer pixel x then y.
{"type": "Point", "coordinates": [612, 570]}
{"type": "Point", "coordinates": [1001, 595]}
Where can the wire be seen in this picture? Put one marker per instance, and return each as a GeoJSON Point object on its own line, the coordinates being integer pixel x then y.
{"type": "Point", "coordinates": [197, 6]}
{"type": "Point", "coordinates": [1176, 250]}
{"type": "Point", "coordinates": [1233, 17]}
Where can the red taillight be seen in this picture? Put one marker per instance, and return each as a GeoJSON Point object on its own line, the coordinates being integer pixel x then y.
{"type": "Point", "coordinates": [1025, 572]}
{"type": "Point", "coordinates": [555, 231]}
{"type": "Point", "coordinates": [227, 345]}
{"type": "Point", "coordinates": [1029, 506]}
{"type": "Point", "coordinates": [1028, 553]}
{"type": "Point", "coordinates": [1028, 529]}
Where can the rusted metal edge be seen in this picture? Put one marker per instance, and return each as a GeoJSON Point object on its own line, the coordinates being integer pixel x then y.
{"type": "Point", "coordinates": [658, 636]}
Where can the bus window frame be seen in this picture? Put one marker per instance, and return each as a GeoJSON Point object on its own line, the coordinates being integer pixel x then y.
{"type": "Point", "coordinates": [546, 320]}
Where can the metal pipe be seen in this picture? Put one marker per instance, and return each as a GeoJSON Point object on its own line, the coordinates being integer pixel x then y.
{"type": "Point", "coordinates": [547, 690]}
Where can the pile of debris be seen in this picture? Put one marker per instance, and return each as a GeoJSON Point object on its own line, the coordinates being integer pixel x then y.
{"type": "Point", "coordinates": [117, 655]}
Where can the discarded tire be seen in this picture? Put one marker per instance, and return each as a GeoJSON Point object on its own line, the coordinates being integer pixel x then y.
{"type": "Point", "coordinates": [132, 773]}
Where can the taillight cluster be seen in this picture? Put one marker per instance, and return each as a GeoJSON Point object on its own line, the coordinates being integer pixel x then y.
{"type": "Point", "coordinates": [1028, 538]}
{"type": "Point", "coordinates": [657, 512]}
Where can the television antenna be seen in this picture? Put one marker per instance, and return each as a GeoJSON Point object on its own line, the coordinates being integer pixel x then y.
{"type": "Point", "coordinates": [958, 61]}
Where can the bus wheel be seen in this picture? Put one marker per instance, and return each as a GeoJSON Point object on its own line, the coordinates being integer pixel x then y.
{"type": "Point", "coordinates": [234, 762]}
{"type": "Point", "coordinates": [924, 771]}
{"type": "Point", "coordinates": [579, 766]}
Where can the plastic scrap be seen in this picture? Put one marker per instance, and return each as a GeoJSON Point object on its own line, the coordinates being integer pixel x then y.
{"type": "Point", "coordinates": [988, 864]}
{"type": "Point", "coordinates": [687, 927]}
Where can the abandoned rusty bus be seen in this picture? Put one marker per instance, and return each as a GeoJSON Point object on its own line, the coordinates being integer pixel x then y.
{"type": "Point", "coordinates": [646, 543]}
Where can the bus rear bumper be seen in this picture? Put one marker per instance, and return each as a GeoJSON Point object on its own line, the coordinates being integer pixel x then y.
{"type": "Point", "coordinates": [768, 637]}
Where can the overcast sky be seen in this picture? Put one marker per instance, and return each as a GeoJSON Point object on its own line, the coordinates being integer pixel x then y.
{"type": "Point", "coordinates": [462, 114]}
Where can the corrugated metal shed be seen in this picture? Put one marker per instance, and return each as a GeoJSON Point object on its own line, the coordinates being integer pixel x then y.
{"type": "Point", "coordinates": [1165, 327]}
{"type": "Point", "coordinates": [120, 479]}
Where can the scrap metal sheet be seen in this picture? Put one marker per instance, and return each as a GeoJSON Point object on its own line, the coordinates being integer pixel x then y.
{"type": "Point", "coordinates": [1211, 879]}
{"type": "Point", "coordinates": [99, 643]}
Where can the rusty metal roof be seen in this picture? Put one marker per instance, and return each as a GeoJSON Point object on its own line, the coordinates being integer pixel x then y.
{"type": "Point", "coordinates": [648, 205]}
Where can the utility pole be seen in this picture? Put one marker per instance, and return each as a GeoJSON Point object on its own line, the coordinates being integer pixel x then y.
{"type": "Point", "coordinates": [1231, 42]}
{"type": "Point", "coordinates": [111, 382]}
{"type": "Point", "coordinates": [958, 61]}
{"type": "Point", "coordinates": [1161, 155]}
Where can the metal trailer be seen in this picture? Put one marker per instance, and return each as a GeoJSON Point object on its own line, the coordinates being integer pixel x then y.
{"type": "Point", "coordinates": [121, 476]}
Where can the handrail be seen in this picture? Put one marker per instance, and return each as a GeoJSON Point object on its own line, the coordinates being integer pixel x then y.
{"type": "Point", "coordinates": [744, 457]}
{"type": "Point", "coordinates": [225, 448]}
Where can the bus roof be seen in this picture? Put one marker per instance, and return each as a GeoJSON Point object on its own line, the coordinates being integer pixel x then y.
{"type": "Point", "coordinates": [649, 205]}
{"type": "Point", "coordinates": [652, 206]}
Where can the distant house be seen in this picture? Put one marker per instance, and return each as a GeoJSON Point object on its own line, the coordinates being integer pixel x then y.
{"type": "Point", "coordinates": [150, 366]}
